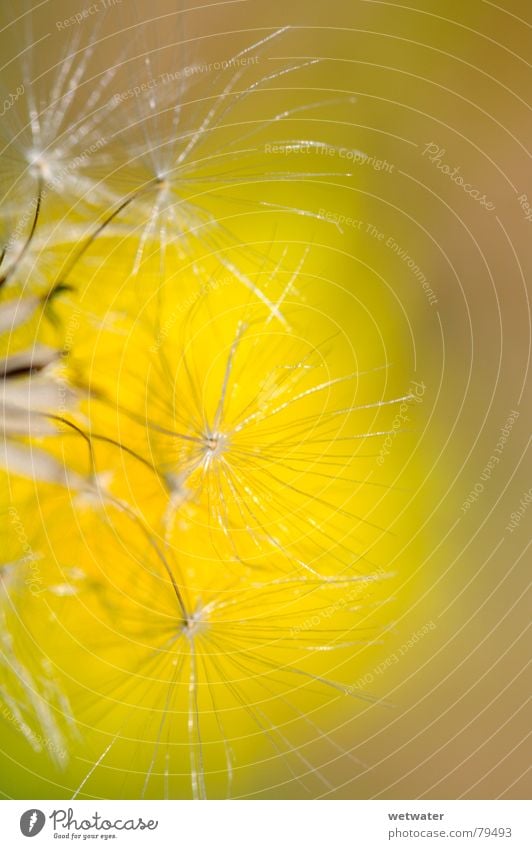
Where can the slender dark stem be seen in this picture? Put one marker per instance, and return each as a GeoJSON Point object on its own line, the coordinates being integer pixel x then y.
{"type": "Point", "coordinates": [88, 438]}
{"type": "Point", "coordinates": [5, 277]}
{"type": "Point", "coordinates": [80, 432]}
{"type": "Point", "coordinates": [70, 265]}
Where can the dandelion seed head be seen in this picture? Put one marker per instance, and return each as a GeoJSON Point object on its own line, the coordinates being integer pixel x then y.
{"type": "Point", "coordinates": [41, 165]}
{"type": "Point", "coordinates": [196, 624]}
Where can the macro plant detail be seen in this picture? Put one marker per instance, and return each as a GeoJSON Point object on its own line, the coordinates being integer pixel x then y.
{"type": "Point", "coordinates": [188, 435]}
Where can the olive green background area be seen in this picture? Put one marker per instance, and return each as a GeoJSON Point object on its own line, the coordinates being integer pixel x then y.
{"type": "Point", "coordinates": [450, 719]}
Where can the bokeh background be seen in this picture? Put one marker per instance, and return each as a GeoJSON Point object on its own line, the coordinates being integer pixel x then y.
{"type": "Point", "coordinates": [419, 273]}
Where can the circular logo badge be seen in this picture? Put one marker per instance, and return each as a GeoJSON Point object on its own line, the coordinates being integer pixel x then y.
{"type": "Point", "coordinates": [32, 822]}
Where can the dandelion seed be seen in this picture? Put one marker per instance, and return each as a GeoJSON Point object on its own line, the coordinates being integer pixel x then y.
{"type": "Point", "coordinates": [48, 140]}
{"type": "Point", "coordinates": [253, 444]}
{"type": "Point", "coordinates": [173, 171]}
{"type": "Point", "coordinates": [226, 678]}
